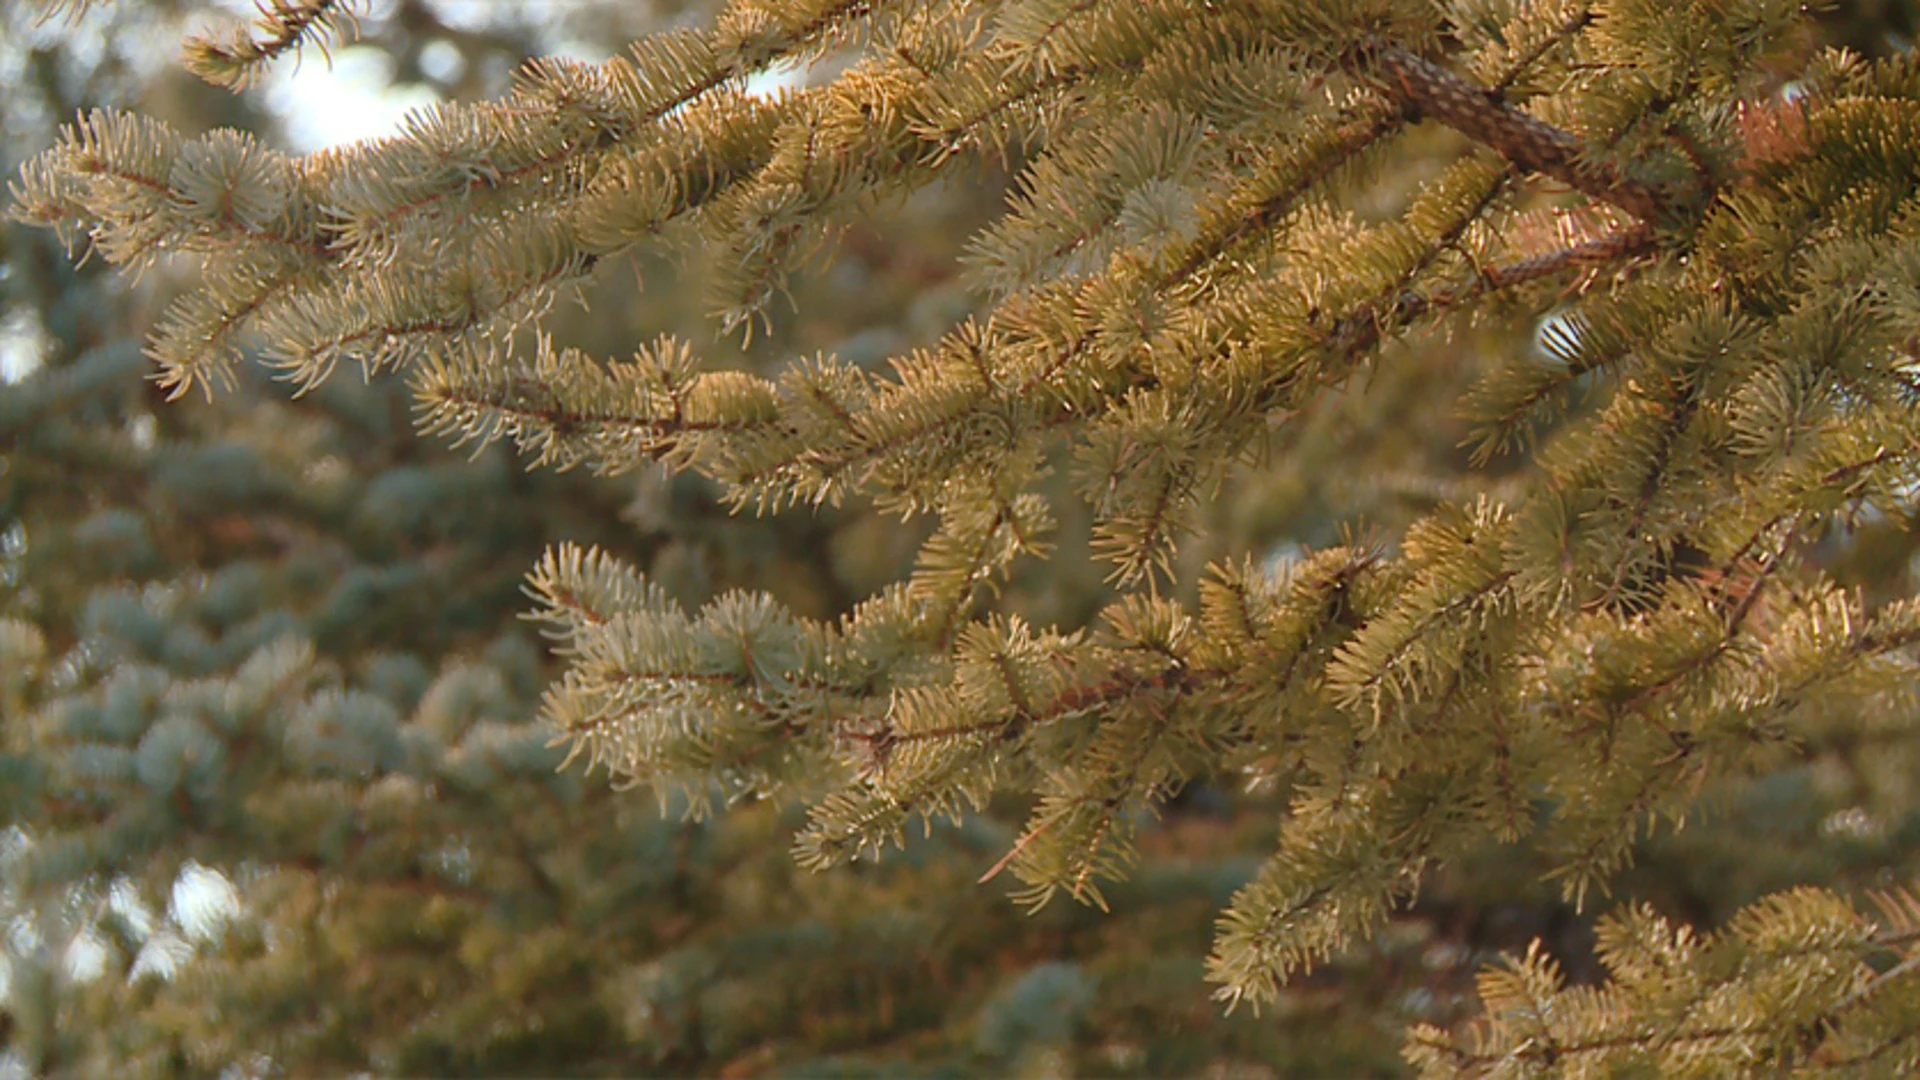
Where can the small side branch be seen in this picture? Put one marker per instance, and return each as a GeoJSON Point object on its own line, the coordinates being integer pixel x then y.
{"type": "Point", "coordinates": [236, 61]}
{"type": "Point", "coordinates": [1364, 328]}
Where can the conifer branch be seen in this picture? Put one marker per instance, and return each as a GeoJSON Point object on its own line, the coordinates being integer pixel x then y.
{"type": "Point", "coordinates": [1362, 330]}
{"type": "Point", "coordinates": [1426, 89]}
{"type": "Point", "coordinates": [1341, 145]}
{"type": "Point", "coordinates": [1678, 999]}
{"type": "Point", "coordinates": [1577, 20]}
{"type": "Point", "coordinates": [1188, 262]}
{"type": "Point", "coordinates": [237, 61]}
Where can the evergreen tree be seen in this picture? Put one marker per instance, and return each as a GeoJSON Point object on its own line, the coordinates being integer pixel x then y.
{"type": "Point", "coordinates": [1481, 432]}
{"type": "Point", "coordinates": [372, 864]}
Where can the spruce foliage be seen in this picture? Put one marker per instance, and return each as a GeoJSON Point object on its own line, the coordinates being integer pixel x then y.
{"type": "Point", "coordinates": [372, 866]}
{"type": "Point", "coordinates": [1667, 256]}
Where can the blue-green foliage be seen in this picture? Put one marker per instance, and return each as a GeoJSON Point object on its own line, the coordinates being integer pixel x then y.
{"type": "Point", "coordinates": [1041, 1008]}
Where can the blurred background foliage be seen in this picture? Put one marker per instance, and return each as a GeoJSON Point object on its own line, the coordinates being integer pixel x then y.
{"type": "Point", "coordinates": [277, 804]}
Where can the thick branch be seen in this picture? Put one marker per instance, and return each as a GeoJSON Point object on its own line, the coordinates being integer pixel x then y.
{"type": "Point", "coordinates": [1421, 86]}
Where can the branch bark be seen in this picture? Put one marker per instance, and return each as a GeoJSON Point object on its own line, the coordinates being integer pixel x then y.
{"type": "Point", "coordinates": [1424, 88]}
